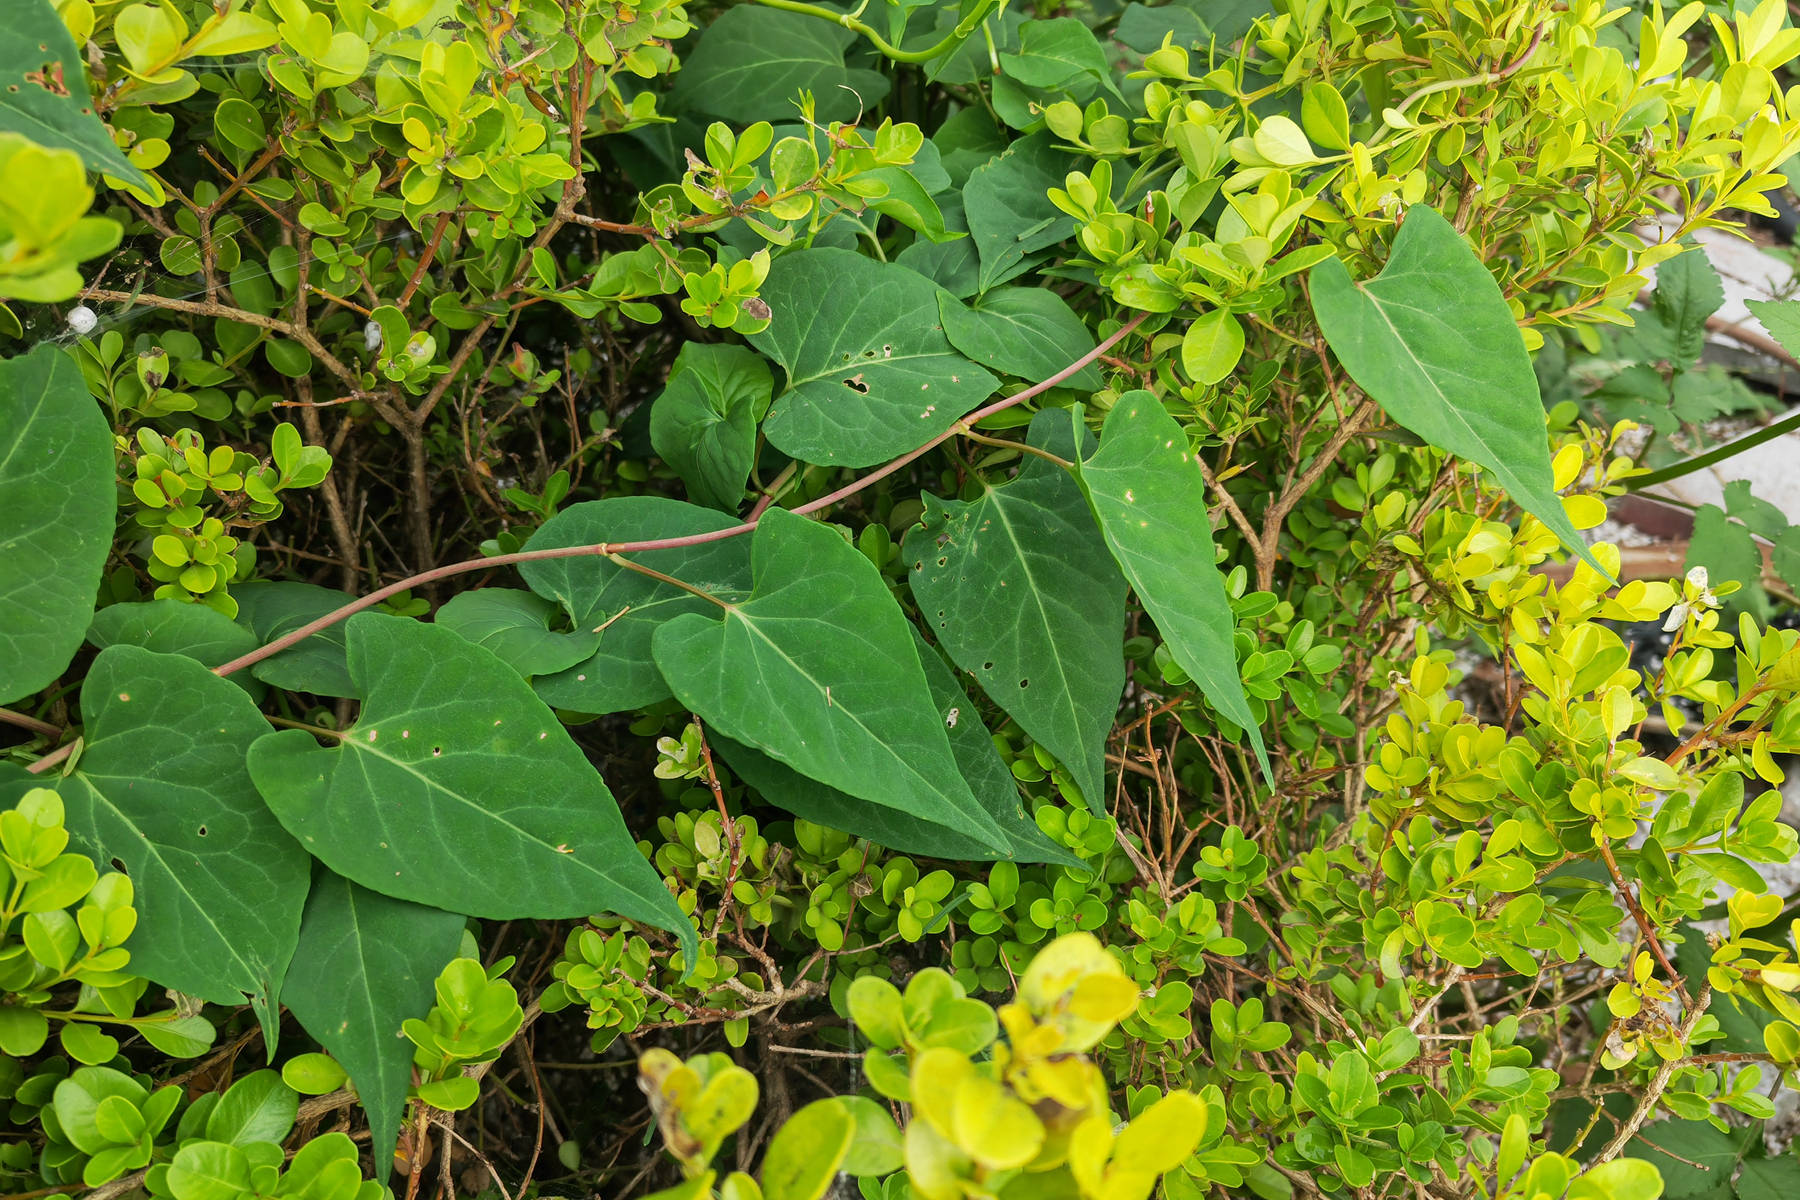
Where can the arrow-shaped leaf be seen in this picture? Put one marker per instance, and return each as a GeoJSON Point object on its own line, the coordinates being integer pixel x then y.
{"type": "Point", "coordinates": [623, 607]}
{"type": "Point", "coordinates": [1024, 595]}
{"type": "Point", "coordinates": [1432, 341]}
{"type": "Point", "coordinates": [365, 963]}
{"type": "Point", "coordinates": [458, 788]}
{"type": "Point", "coordinates": [57, 497]}
{"type": "Point", "coordinates": [1146, 490]}
{"type": "Point", "coordinates": [162, 788]}
{"type": "Point", "coordinates": [818, 670]}
{"type": "Point", "coordinates": [976, 756]}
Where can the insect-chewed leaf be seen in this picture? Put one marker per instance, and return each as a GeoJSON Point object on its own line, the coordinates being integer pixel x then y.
{"type": "Point", "coordinates": [870, 372]}
{"type": "Point", "coordinates": [459, 789]}
{"type": "Point", "coordinates": [1147, 492]}
{"type": "Point", "coordinates": [162, 788]}
{"type": "Point", "coordinates": [1024, 595]}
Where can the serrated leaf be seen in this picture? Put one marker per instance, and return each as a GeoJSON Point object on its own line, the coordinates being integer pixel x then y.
{"type": "Point", "coordinates": [44, 91]}
{"type": "Point", "coordinates": [57, 499]}
{"type": "Point", "coordinates": [818, 670]}
{"type": "Point", "coordinates": [1781, 318]}
{"type": "Point", "coordinates": [458, 788]}
{"type": "Point", "coordinates": [1023, 594]}
{"type": "Point", "coordinates": [365, 964]}
{"type": "Point", "coordinates": [315, 664]}
{"type": "Point", "coordinates": [161, 787]}
{"type": "Point", "coordinates": [1432, 341]}
{"type": "Point", "coordinates": [1687, 292]}
{"type": "Point", "coordinates": [623, 606]}
{"type": "Point", "coordinates": [1145, 488]}
{"type": "Point", "coordinates": [1028, 332]}
{"type": "Point", "coordinates": [976, 757]}
{"type": "Point", "coordinates": [870, 374]}
{"type": "Point", "coordinates": [752, 64]}
{"type": "Point", "coordinates": [515, 625]}
{"type": "Point", "coordinates": [704, 422]}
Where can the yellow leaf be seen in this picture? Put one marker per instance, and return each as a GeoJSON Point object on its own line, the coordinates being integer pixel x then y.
{"type": "Point", "coordinates": [993, 1127]}
{"type": "Point", "coordinates": [1163, 1135]}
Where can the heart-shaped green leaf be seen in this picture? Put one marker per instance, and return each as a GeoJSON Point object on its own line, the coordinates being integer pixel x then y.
{"type": "Point", "coordinates": [623, 607]}
{"type": "Point", "coordinates": [219, 883]}
{"type": "Point", "coordinates": [459, 789]}
{"type": "Point", "coordinates": [1023, 594]}
{"type": "Point", "coordinates": [375, 958]}
{"type": "Point", "coordinates": [818, 670]}
{"type": "Point", "coordinates": [1145, 487]}
{"type": "Point", "coordinates": [516, 626]}
{"type": "Point", "coordinates": [870, 373]}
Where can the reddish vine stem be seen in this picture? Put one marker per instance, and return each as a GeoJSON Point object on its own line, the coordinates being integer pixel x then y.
{"type": "Point", "coordinates": [604, 549]}
{"type": "Point", "coordinates": [9, 717]}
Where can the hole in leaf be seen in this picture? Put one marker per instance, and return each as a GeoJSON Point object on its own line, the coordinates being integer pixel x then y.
{"type": "Point", "coordinates": [436, 751]}
{"type": "Point", "coordinates": [1024, 683]}
{"type": "Point", "coordinates": [202, 831]}
{"type": "Point", "coordinates": [119, 866]}
{"type": "Point", "coordinates": [855, 383]}
{"type": "Point", "coordinates": [987, 666]}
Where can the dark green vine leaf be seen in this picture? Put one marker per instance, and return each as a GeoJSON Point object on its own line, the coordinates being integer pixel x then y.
{"type": "Point", "coordinates": [162, 788]}
{"type": "Point", "coordinates": [870, 373]}
{"type": "Point", "coordinates": [622, 606]}
{"type": "Point", "coordinates": [44, 91]}
{"type": "Point", "coordinates": [365, 964]}
{"type": "Point", "coordinates": [1694, 1159]}
{"type": "Point", "coordinates": [1432, 341]}
{"type": "Point", "coordinates": [458, 788]}
{"type": "Point", "coordinates": [315, 664]}
{"type": "Point", "coordinates": [1151, 502]}
{"type": "Point", "coordinates": [953, 266]}
{"type": "Point", "coordinates": [818, 669]}
{"type": "Point", "coordinates": [752, 64]}
{"type": "Point", "coordinates": [704, 422]}
{"type": "Point", "coordinates": [204, 634]}
{"type": "Point", "coordinates": [1024, 595]}
{"type": "Point", "coordinates": [1008, 208]}
{"type": "Point", "coordinates": [894, 828]}
{"type": "Point", "coordinates": [58, 498]}
{"type": "Point", "coordinates": [1028, 332]}
{"type": "Point", "coordinates": [1060, 54]}
{"type": "Point", "coordinates": [515, 625]}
